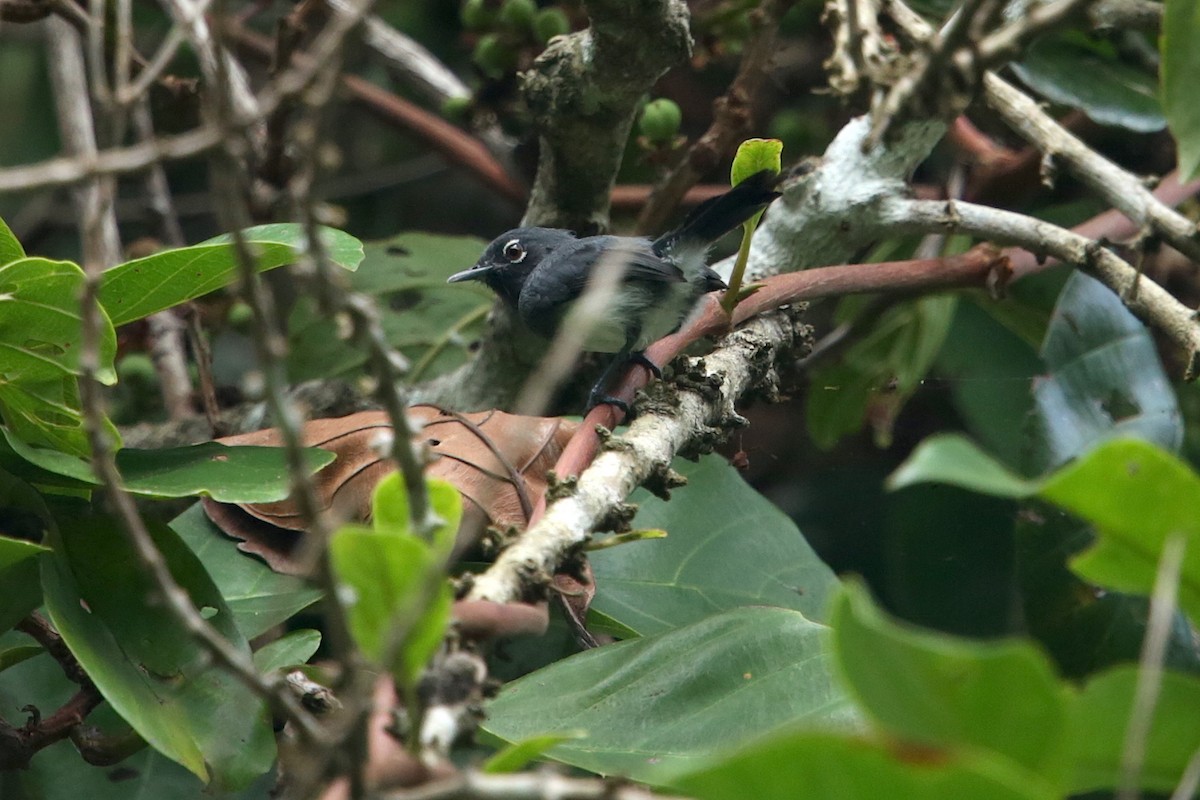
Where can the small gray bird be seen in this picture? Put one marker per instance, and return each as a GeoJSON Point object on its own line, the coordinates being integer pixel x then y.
{"type": "Point", "coordinates": [541, 272]}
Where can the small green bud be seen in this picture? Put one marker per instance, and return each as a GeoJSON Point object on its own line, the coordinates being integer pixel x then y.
{"type": "Point", "coordinates": [494, 56]}
{"type": "Point", "coordinates": [136, 368]}
{"type": "Point", "coordinates": [550, 22]}
{"type": "Point", "coordinates": [518, 14]}
{"type": "Point", "coordinates": [239, 316]}
{"type": "Point", "coordinates": [476, 16]}
{"type": "Point", "coordinates": [660, 120]}
{"type": "Point", "coordinates": [457, 109]}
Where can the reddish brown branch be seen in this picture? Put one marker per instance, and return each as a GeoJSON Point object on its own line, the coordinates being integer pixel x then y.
{"type": "Point", "coordinates": [18, 745]}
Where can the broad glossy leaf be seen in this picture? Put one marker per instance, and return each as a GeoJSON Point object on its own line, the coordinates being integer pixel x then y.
{"type": "Point", "coordinates": [429, 321]}
{"type": "Point", "coordinates": [1177, 80]}
{"type": "Point", "coordinates": [991, 394]}
{"type": "Point", "coordinates": [821, 766]}
{"type": "Point", "coordinates": [728, 546]}
{"type": "Point", "coordinates": [955, 460]}
{"type": "Point", "coordinates": [663, 704]}
{"type": "Point", "coordinates": [1137, 496]}
{"type": "Point", "coordinates": [1100, 720]}
{"type": "Point", "coordinates": [58, 773]}
{"type": "Point", "coordinates": [258, 597]}
{"type": "Point", "coordinates": [10, 248]}
{"type": "Point", "coordinates": [1081, 73]}
{"type": "Point", "coordinates": [241, 474]}
{"type": "Point", "coordinates": [40, 342]}
{"type": "Point", "coordinates": [291, 650]}
{"type": "Point", "coordinates": [227, 474]}
{"type": "Point", "coordinates": [1105, 378]}
{"type": "Point", "coordinates": [933, 689]}
{"type": "Point", "coordinates": [148, 667]}
{"type": "Point", "coordinates": [141, 287]}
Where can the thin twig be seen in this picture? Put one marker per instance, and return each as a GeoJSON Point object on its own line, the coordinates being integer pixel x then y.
{"type": "Point", "coordinates": [1163, 603]}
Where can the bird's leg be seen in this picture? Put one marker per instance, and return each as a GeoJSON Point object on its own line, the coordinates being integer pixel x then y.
{"type": "Point", "coordinates": [597, 395]}
{"type": "Point", "coordinates": [626, 355]}
{"type": "Point", "coordinates": [639, 357]}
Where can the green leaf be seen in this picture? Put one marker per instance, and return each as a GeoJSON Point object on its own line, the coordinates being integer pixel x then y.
{"type": "Point", "coordinates": [11, 656]}
{"type": "Point", "coordinates": [1101, 717]}
{"type": "Point", "coordinates": [520, 754]}
{"type": "Point", "coordinates": [831, 767]}
{"type": "Point", "coordinates": [144, 286]}
{"type": "Point", "coordinates": [40, 342]}
{"type": "Point", "coordinates": [242, 474]}
{"type": "Point", "coordinates": [879, 372]}
{"type": "Point", "coordinates": [728, 547]}
{"type": "Point", "coordinates": [390, 511]}
{"type": "Point", "coordinates": [147, 666]}
{"type": "Point", "coordinates": [991, 394]}
{"type": "Point", "coordinates": [226, 474]}
{"type": "Point", "coordinates": [1137, 496]}
{"type": "Point", "coordinates": [663, 704]}
{"type": "Point", "coordinates": [397, 601]}
{"type": "Point", "coordinates": [432, 323]}
{"type": "Point", "coordinates": [950, 692]}
{"type": "Point", "coordinates": [341, 248]}
{"type": "Point", "coordinates": [58, 773]}
{"type": "Point", "coordinates": [1177, 75]}
{"type": "Point", "coordinates": [259, 598]}
{"type": "Point", "coordinates": [292, 650]}
{"type": "Point", "coordinates": [1082, 73]}
{"type": "Point", "coordinates": [10, 248]}
{"type": "Point", "coordinates": [24, 513]}
{"type": "Point", "coordinates": [15, 550]}
{"type": "Point", "coordinates": [952, 459]}
{"type": "Point", "coordinates": [1105, 378]}
{"type": "Point", "coordinates": [753, 156]}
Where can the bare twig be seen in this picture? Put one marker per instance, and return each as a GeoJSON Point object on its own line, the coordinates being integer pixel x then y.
{"type": "Point", "coordinates": [1150, 302]}
{"type": "Point", "coordinates": [1118, 188]}
{"type": "Point", "coordinates": [457, 146]}
{"type": "Point", "coordinates": [525, 786]}
{"type": "Point", "coordinates": [1163, 603]}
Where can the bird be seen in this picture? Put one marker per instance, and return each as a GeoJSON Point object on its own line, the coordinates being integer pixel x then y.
{"type": "Point", "coordinates": [541, 272]}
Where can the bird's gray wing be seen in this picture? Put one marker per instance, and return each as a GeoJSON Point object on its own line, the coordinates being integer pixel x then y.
{"type": "Point", "coordinates": [564, 273]}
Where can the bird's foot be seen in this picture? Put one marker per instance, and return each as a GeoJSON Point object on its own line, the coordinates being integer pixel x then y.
{"type": "Point", "coordinates": [597, 397]}
{"type": "Point", "coordinates": [639, 357]}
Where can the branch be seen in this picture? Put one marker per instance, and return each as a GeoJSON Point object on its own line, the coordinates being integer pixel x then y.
{"type": "Point", "coordinates": [583, 91]}
{"type": "Point", "coordinates": [1118, 187]}
{"type": "Point", "coordinates": [457, 146]}
{"type": "Point", "coordinates": [745, 360]}
{"type": "Point", "coordinates": [1144, 297]}
{"type": "Point", "coordinates": [473, 785]}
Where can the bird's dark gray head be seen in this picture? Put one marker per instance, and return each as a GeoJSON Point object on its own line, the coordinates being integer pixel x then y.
{"type": "Point", "coordinates": [509, 259]}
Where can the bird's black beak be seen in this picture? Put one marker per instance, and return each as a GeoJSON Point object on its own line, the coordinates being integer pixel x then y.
{"type": "Point", "coordinates": [475, 273]}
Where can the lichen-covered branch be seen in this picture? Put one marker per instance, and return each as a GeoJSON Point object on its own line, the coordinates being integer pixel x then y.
{"type": "Point", "coordinates": [745, 360]}
{"type": "Point", "coordinates": [584, 91]}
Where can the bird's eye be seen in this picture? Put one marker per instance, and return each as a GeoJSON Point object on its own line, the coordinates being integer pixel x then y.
{"type": "Point", "coordinates": [514, 252]}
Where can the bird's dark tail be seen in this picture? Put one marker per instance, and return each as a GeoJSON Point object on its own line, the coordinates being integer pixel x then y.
{"type": "Point", "coordinates": [715, 217]}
